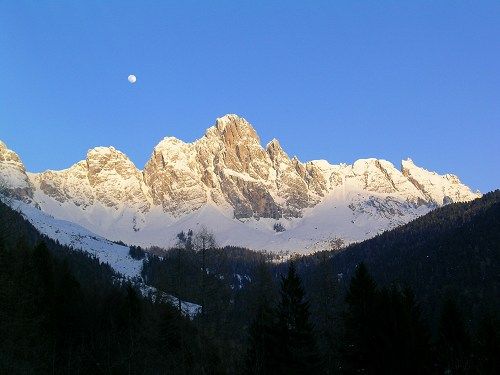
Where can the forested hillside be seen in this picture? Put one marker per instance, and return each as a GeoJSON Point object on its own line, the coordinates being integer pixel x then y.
{"type": "Point", "coordinates": [443, 267]}
{"type": "Point", "coordinates": [423, 297]}
{"type": "Point", "coordinates": [453, 251]}
{"type": "Point", "coordinates": [63, 312]}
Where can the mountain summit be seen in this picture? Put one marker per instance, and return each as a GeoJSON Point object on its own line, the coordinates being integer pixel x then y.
{"type": "Point", "coordinates": [228, 182]}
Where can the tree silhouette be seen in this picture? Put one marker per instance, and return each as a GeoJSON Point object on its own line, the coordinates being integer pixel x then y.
{"type": "Point", "coordinates": [297, 352]}
{"type": "Point", "coordinates": [359, 321]}
{"type": "Point", "coordinates": [453, 342]}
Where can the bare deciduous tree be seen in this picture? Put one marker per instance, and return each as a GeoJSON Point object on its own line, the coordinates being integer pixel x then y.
{"type": "Point", "coordinates": [203, 240]}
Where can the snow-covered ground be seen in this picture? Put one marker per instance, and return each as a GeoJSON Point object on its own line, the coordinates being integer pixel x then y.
{"type": "Point", "coordinates": [228, 182]}
{"type": "Point", "coordinates": [342, 217]}
{"type": "Point", "coordinates": [79, 238]}
{"type": "Point", "coordinates": [188, 308]}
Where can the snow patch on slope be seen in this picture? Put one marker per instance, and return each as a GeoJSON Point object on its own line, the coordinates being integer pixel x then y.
{"type": "Point", "coordinates": [117, 256]}
{"type": "Point", "coordinates": [350, 216]}
{"type": "Point", "coordinates": [77, 237]}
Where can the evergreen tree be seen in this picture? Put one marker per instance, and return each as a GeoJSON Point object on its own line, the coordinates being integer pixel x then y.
{"type": "Point", "coordinates": [359, 321]}
{"type": "Point", "coordinates": [262, 331]}
{"type": "Point", "coordinates": [184, 243]}
{"type": "Point", "coordinates": [453, 343]}
{"type": "Point", "coordinates": [323, 290]}
{"type": "Point", "coordinates": [297, 352]}
{"type": "Point", "coordinates": [262, 343]}
{"type": "Point", "coordinates": [383, 324]}
{"type": "Point", "coordinates": [44, 281]}
{"type": "Point", "coordinates": [488, 345]}
{"type": "Point", "coordinates": [399, 335]}
{"type": "Point", "coordinates": [61, 311]}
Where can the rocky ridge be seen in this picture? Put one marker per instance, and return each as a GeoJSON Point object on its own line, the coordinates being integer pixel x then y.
{"type": "Point", "coordinates": [228, 169]}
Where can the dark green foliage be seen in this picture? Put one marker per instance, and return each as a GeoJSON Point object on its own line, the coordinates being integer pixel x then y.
{"type": "Point", "coordinates": [454, 249]}
{"type": "Point", "coordinates": [56, 320]}
{"type": "Point", "coordinates": [487, 345]}
{"type": "Point", "coordinates": [278, 227]}
{"type": "Point", "coordinates": [282, 340]}
{"type": "Point", "coordinates": [62, 311]}
{"type": "Point", "coordinates": [297, 353]}
{"type": "Point", "coordinates": [263, 344]}
{"type": "Point", "coordinates": [323, 293]}
{"type": "Point", "coordinates": [185, 239]}
{"type": "Point", "coordinates": [383, 324]}
{"type": "Point", "coordinates": [136, 252]}
{"type": "Point", "coordinates": [402, 338]}
{"type": "Point", "coordinates": [360, 323]}
{"type": "Point", "coordinates": [453, 341]}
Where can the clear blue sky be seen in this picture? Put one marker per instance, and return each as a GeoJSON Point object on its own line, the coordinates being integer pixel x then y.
{"type": "Point", "coordinates": [332, 80]}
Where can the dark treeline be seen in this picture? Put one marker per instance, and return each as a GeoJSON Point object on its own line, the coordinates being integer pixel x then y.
{"type": "Point", "coordinates": [63, 312]}
{"type": "Point", "coordinates": [453, 251]}
{"type": "Point", "coordinates": [273, 326]}
{"type": "Point", "coordinates": [449, 257]}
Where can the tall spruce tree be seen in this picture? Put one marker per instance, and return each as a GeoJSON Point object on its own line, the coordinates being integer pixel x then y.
{"type": "Point", "coordinates": [399, 337]}
{"type": "Point", "coordinates": [297, 352]}
{"type": "Point", "coordinates": [262, 331]}
{"type": "Point", "coordinates": [359, 324]}
{"type": "Point", "coordinates": [453, 342]}
{"type": "Point", "coordinates": [488, 345]}
{"type": "Point", "coordinates": [323, 290]}
{"type": "Point", "coordinates": [384, 333]}
{"type": "Point", "coordinates": [261, 352]}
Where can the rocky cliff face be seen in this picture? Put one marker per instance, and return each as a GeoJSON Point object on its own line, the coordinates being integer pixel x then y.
{"type": "Point", "coordinates": [13, 178]}
{"type": "Point", "coordinates": [229, 169]}
{"type": "Point", "coordinates": [106, 177]}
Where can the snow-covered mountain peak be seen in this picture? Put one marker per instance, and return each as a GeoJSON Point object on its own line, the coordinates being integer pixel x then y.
{"type": "Point", "coordinates": [438, 189]}
{"type": "Point", "coordinates": [274, 144]}
{"type": "Point", "coordinates": [228, 119]}
{"type": "Point", "coordinates": [228, 182]}
{"type": "Point", "coordinates": [104, 162]}
{"type": "Point", "coordinates": [323, 164]}
{"type": "Point", "coordinates": [103, 150]}
{"type": "Point", "coordinates": [168, 142]}
{"type": "Point", "coordinates": [275, 150]}
{"type": "Point", "coordinates": [233, 129]}
{"type": "Point", "coordinates": [13, 177]}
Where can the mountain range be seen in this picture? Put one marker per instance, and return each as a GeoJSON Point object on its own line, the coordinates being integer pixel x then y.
{"type": "Point", "coordinates": [248, 195]}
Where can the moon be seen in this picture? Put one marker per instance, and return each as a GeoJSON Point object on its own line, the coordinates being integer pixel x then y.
{"type": "Point", "coordinates": [132, 78]}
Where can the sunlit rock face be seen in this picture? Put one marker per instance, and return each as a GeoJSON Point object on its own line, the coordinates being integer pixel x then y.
{"type": "Point", "coordinates": [106, 176]}
{"type": "Point", "coordinates": [14, 181]}
{"type": "Point", "coordinates": [228, 171]}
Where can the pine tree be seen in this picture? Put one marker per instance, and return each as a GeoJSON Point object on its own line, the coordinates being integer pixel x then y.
{"type": "Point", "coordinates": [453, 344]}
{"type": "Point", "coordinates": [418, 358]}
{"type": "Point", "coordinates": [323, 292]}
{"type": "Point", "coordinates": [359, 322]}
{"type": "Point", "coordinates": [399, 335]}
{"type": "Point", "coordinates": [488, 345]}
{"type": "Point", "coordinates": [262, 343]}
{"type": "Point", "coordinates": [383, 324]}
{"type": "Point", "coordinates": [66, 315]}
{"type": "Point", "coordinates": [297, 352]}
{"type": "Point", "coordinates": [262, 330]}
